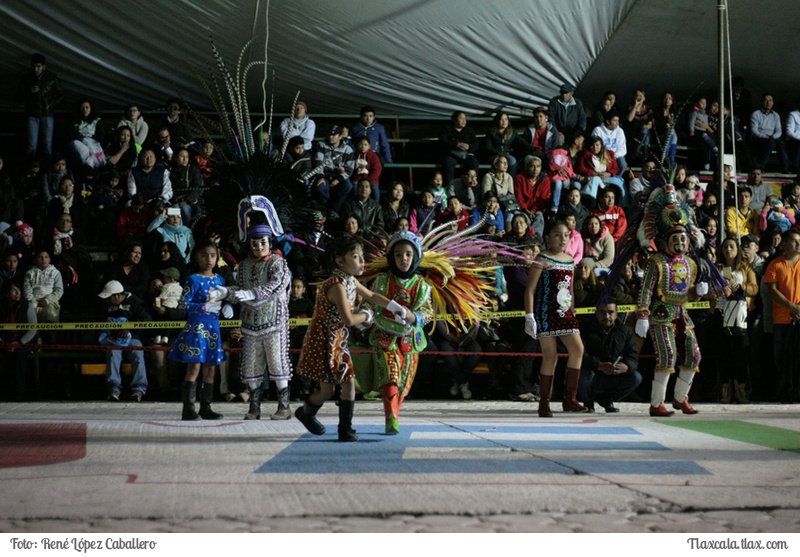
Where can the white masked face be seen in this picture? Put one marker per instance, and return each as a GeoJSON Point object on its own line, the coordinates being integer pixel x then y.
{"type": "Point", "coordinates": [259, 247]}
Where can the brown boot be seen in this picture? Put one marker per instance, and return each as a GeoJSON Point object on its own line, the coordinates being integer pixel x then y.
{"type": "Point", "coordinates": [740, 392]}
{"type": "Point", "coordinates": [545, 393]}
{"type": "Point", "coordinates": [570, 402]}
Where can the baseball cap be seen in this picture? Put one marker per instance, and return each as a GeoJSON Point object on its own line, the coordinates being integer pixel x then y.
{"type": "Point", "coordinates": [171, 272]}
{"type": "Point", "coordinates": [112, 287]}
{"type": "Point", "coordinates": [335, 129]}
{"type": "Point", "coordinates": [749, 239]}
{"type": "Point", "coordinates": [567, 88]}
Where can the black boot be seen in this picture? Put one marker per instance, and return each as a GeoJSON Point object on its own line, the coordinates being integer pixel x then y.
{"type": "Point", "coordinates": [307, 416]}
{"type": "Point", "coordinates": [189, 395]}
{"type": "Point", "coordinates": [206, 398]}
{"type": "Point", "coordinates": [284, 412]}
{"type": "Point", "coordinates": [254, 413]}
{"type": "Point", "coordinates": [346, 431]}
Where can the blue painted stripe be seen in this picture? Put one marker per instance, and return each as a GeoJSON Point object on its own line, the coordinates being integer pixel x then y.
{"type": "Point", "coordinates": [544, 430]}
{"type": "Point", "coordinates": [540, 445]}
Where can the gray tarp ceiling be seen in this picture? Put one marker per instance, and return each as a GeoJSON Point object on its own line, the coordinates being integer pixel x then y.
{"type": "Point", "coordinates": [403, 56]}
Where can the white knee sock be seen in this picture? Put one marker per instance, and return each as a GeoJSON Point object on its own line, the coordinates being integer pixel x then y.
{"type": "Point", "coordinates": [683, 384]}
{"type": "Point", "coordinates": [281, 384]}
{"type": "Point", "coordinates": [658, 390]}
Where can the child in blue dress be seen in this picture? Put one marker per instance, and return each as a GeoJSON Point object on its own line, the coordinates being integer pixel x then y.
{"type": "Point", "coordinates": [199, 344]}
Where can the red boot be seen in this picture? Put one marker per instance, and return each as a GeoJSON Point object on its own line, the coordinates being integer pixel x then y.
{"type": "Point", "coordinates": [660, 411]}
{"type": "Point", "coordinates": [684, 406]}
{"type": "Point", "coordinates": [570, 402]}
{"type": "Point", "coordinates": [545, 393]}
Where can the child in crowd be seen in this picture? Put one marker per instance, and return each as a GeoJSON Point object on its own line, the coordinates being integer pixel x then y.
{"type": "Point", "coordinates": [776, 214]}
{"type": "Point", "coordinates": [455, 213]}
{"type": "Point", "coordinates": [495, 220]}
{"type": "Point", "coordinates": [199, 344]}
{"type": "Point", "coordinates": [549, 317]}
{"type": "Point", "coordinates": [207, 162]}
{"type": "Point", "coordinates": [23, 245]}
{"type": "Point", "coordinates": [693, 192]}
{"type": "Point", "coordinates": [325, 356]}
{"type": "Point", "coordinates": [424, 216]}
{"type": "Point", "coordinates": [43, 287]}
{"type": "Point", "coordinates": [169, 296]}
{"type": "Point", "coordinates": [436, 187]}
{"type": "Point", "coordinates": [296, 155]}
{"type": "Point", "coordinates": [367, 165]}
{"type": "Point", "coordinates": [300, 307]}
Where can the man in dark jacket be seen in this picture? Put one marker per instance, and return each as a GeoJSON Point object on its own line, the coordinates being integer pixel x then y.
{"type": "Point", "coordinates": [610, 359]}
{"type": "Point", "coordinates": [40, 92]}
{"type": "Point", "coordinates": [123, 306]}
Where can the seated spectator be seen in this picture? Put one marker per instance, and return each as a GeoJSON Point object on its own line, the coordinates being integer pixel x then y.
{"type": "Point", "coordinates": [375, 133]}
{"type": "Point", "coordinates": [163, 146]}
{"type": "Point", "coordinates": [395, 206]}
{"type": "Point", "coordinates": [403, 223]}
{"type": "Point", "coordinates": [296, 155]}
{"type": "Point", "coordinates": [639, 122]}
{"type": "Point", "coordinates": [352, 225]}
{"type": "Point", "coordinates": [465, 188]}
{"type": "Point", "coordinates": [575, 245]}
{"type": "Point", "coordinates": [208, 163]}
{"type": "Point", "coordinates": [739, 223]}
{"type": "Point", "coordinates": [67, 202]}
{"type": "Point", "coordinates": [702, 132]}
{"type": "Point", "coordinates": [10, 271]}
{"type": "Point", "coordinates": [791, 196]}
{"type": "Point", "coordinates": [613, 139]}
{"type": "Point", "coordinates": [299, 124]}
{"type": "Point", "coordinates": [693, 192]}
{"type": "Point", "coordinates": [458, 143]}
{"type": "Point", "coordinates": [610, 359]}
{"type": "Point", "coordinates": [598, 243]}
{"type": "Point", "coordinates": [573, 207]}
{"type": "Point", "coordinates": [438, 189]}
{"type": "Point", "coordinates": [133, 221]}
{"type": "Point", "coordinates": [610, 214]}
{"type": "Point", "coordinates": [134, 121]}
{"type": "Point", "coordinates": [532, 189]}
{"type": "Point", "coordinates": [640, 187]}
{"type": "Point", "coordinates": [52, 180]}
{"type": "Point", "coordinates": [586, 288]}
{"type": "Point", "coordinates": [187, 185]}
{"type": "Point", "coordinates": [607, 103]}
{"type": "Point", "coordinates": [709, 209]}
{"type": "Point", "coordinates": [566, 112]}
{"type": "Point", "coordinates": [177, 124]}
{"type": "Point", "coordinates": [561, 171]}
{"type": "Point", "coordinates": [502, 139]}
{"type": "Point", "coordinates": [107, 200]}
{"type": "Point", "coordinates": [761, 190]}
{"type": "Point", "coordinates": [793, 138]}
{"type": "Point", "coordinates": [121, 153]}
{"type": "Point", "coordinates": [770, 242]}
{"type": "Point", "coordinates": [88, 134]}
{"type": "Point", "coordinates": [367, 165]}
{"type": "Point", "coordinates": [43, 288]}
{"type": "Point", "coordinates": [541, 135]}
{"type": "Point", "coordinates": [16, 309]}
{"type": "Point", "coordinates": [61, 239]}
{"type": "Point", "coordinates": [149, 179]}
{"type": "Point", "coordinates": [501, 183]}
{"type": "Point", "coordinates": [23, 246]}
{"type": "Point", "coordinates": [626, 291]}
{"type": "Point", "coordinates": [711, 231]}
{"type": "Point", "coordinates": [168, 226]}
{"type": "Point", "coordinates": [521, 232]}
{"type": "Point", "coordinates": [122, 306]}
{"type": "Point", "coordinates": [130, 271]}
{"type": "Point", "coordinates": [424, 216]}
{"type": "Point", "coordinates": [735, 138]}
{"type": "Point", "coordinates": [599, 166]}
{"type": "Point", "coordinates": [455, 213]}
{"type": "Point", "coordinates": [495, 224]}
{"type": "Point", "coordinates": [776, 215]}
{"type": "Point", "coordinates": [364, 207]}
{"type": "Point", "coordinates": [337, 161]}
{"type": "Point", "coordinates": [766, 135]}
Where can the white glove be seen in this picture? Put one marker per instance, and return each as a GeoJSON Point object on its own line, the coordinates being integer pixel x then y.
{"type": "Point", "coordinates": [217, 293]}
{"type": "Point", "coordinates": [530, 325]}
{"type": "Point", "coordinates": [212, 307]}
{"type": "Point", "coordinates": [244, 295]}
{"type": "Point", "coordinates": [227, 311]}
{"type": "Point", "coordinates": [398, 310]}
{"type": "Point", "coordinates": [366, 324]}
{"type": "Point", "coordinates": [701, 288]}
{"type": "Point", "coordinates": [642, 326]}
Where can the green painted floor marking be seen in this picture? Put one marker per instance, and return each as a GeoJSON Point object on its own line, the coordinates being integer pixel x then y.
{"type": "Point", "coordinates": [746, 432]}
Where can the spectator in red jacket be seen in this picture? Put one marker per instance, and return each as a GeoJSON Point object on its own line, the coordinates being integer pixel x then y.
{"type": "Point", "coordinates": [600, 166]}
{"type": "Point", "coordinates": [455, 212]}
{"type": "Point", "coordinates": [610, 214]}
{"type": "Point", "coordinates": [368, 165]}
{"type": "Point", "coordinates": [532, 189]}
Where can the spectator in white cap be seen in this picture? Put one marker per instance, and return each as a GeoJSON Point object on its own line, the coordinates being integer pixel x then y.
{"type": "Point", "coordinates": [122, 307]}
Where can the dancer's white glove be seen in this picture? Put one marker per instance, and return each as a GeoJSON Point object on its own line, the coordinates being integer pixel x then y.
{"type": "Point", "coordinates": [701, 288]}
{"type": "Point", "coordinates": [244, 295]}
{"type": "Point", "coordinates": [227, 311]}
{"type": "Point", "coordinates": [530, 325]}
{"type": "Point", "coordinates": [217, 293]}
{"type": "Point", "coordinates": [212, 307]}
{"type": "Point", "coordinates": [368, 321]}
{"type": "Point", "coordinates": [398, 310]}
{"type": "Point", "coordinates": [642, 326]}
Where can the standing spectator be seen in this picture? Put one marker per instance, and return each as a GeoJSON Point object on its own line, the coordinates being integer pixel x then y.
{"type": "Point", "coordinates": [299, 124]}
{"type": "Point", "coordinates": [766, 134]}
{"type": "Point", "coordinates": [40, 92]}
{"type": "Point", "coordinates": [15, 309]}
{"type": "Point", "coordinates": [149, 179]}
{"type": "Point", "coordinates": [783, 283]}
{"type": "Point", "coordinates": [610, 359]}
{"type": "Point", "coordinates": [562, 162]}
{"type": "Point", "coordinates": [566, 112]}
{"type": "Point", "coordinates": [664, 130]}
{"type": "Point", "coordinates": [375, 133]}
{"type": "Point", "coordinates": [639, 123]}
{"type": "Point", "coordinates": [134, 120]}
{"type": "Point", "coordinates": [43, 287]}
{"type": "Point", "coordinates": [575, 245]}
{"type": "Point", "coordinates": [700, 129]}
{"type": "Point", "coordinates": [459, 144]}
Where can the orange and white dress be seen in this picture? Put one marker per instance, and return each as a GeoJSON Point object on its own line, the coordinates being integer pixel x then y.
{"type": "Point", "coordinates": [325, 356]}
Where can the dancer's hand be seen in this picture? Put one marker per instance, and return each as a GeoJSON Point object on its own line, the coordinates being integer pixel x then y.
{"type": "Point", "coordinates": [530, 325]}
{"type": "Point", "coordinates": [642, 326]}
{"type": "Point", "coordinates": [227, 311]}
{"type": "Point", "coordinates": [212, 307]}
{"type": "Point", "coordinates": [399, 311]}
{"type": "Point", "coordinates": [217, 293]}
{"type": "Point", "coordinates": [701, 288]}
{"type": "Point", "coordinates": [244, 296]}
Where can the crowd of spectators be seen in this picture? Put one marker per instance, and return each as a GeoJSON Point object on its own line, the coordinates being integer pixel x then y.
{"type": "Point", "coordinates": [133, 186]}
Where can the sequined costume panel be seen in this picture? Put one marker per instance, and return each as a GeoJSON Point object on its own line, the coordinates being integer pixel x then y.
{"type": "Point", "coordinates": [397, 346]}
{"type": "Point", "coordinates": [325, 355]}
{"type": "Point", "coordinates": [552, 299]}
{"type": "Point", "coordinates": [200, 340]}
{"type": "Point", "coordinates": [270, 281]}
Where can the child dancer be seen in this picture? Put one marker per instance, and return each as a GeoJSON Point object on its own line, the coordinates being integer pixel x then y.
{"type": "Point", "coordinates": [325, 356]}
{"type": "Point", "coordinates": [550, 315]}
{"type": "Point", "coordinates": [199, 344]}
{"type": "Point", "coordinates": [397, 345]}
